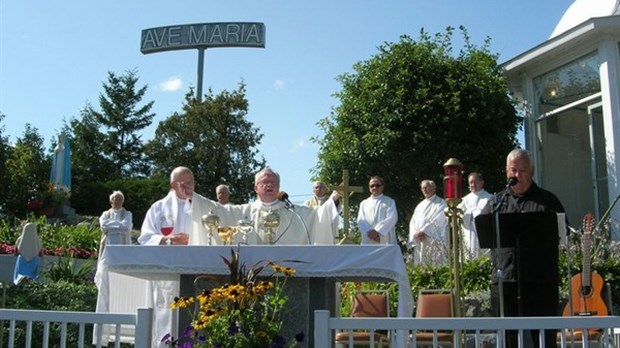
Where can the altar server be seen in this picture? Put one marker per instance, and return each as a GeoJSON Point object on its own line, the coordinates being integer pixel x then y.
{"type": "Point", "coordinates": [377, 215]}
{"type": "Point", "coordinates": [116, 223]}
{"type": "Point", "coordinates": [428, 228]}
{"type": "Point", "coordinates": [472, 205]}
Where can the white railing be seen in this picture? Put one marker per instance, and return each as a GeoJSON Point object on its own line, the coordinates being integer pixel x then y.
{"type": "Point", "coordinates": [402, 330]}
{"type": "Point", "coordinates": [141, 321]}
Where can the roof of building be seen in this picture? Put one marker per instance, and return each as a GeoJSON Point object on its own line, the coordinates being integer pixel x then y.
{"type": "Point", "coordinates": [582, 10]}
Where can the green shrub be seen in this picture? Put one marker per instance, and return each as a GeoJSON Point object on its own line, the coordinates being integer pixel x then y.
{"type": "Point", "coordinates": [93, 198]}
{"type": "Point", "coordinates": [56, 296]}
{"type": "Point", "coordinates": [79, 241]}
{"type": "Point", "coordinates": [67, 269]}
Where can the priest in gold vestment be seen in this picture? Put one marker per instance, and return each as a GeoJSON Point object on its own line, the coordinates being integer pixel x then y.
{"type": "Point", "coordinates": [298, 225]}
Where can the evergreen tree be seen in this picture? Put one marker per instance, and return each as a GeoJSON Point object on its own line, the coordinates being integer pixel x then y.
{"type": "Point", "coordinates": [214, 139]}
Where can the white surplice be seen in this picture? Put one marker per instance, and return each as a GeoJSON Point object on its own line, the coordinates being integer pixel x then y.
{"type": "Point", "coordinates": [429, 217]}
{"type": "Point", "coordinates": [167, 212]}
{"type": "Point", "coordinates": [472, 205]}
{"type": "Point", "coordinates": [378, 213]}
{"type": "Point", "coordinates": [298, 225]}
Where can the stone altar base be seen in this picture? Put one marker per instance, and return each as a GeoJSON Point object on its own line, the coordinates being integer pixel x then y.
{"type": "Point", "coordinates": [305, 295]}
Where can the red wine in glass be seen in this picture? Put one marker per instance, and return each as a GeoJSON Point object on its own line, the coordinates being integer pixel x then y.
{"type": "Point", "coordinates": [166, 230]}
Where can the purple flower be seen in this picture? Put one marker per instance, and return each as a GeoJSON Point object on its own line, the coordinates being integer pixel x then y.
{"type": "Point", "coordinates": [188, 331]}
{"type": "Point", "coordinates": [233, 329]}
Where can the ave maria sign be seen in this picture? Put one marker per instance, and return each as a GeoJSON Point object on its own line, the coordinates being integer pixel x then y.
{"type": "Point", "coordinates": [205, 35]}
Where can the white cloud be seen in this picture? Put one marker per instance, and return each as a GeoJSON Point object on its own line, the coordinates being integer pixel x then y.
{"type": "Point", "coordinates": [278, 85]}
{"type": "Point", "coordinates": [300, 144]}
{"type": "Point", "coordinates": [172, 84]}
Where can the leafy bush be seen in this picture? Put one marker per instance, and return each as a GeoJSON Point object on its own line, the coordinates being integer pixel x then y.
{"type": "Point", "coordinates": [93, 198]}
{"type": "Point", "coordinates": [57, 296]}
{"type": "Point", "coordinates": [67, 269]}
{"type": "Point", "coordinates": [79, 241]}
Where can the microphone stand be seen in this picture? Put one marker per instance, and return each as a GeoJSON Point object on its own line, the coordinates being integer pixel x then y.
{"type": "Point", "coordinates": [303, 223]}
{"type": "Point", "coordinates": [500, 272]}
{"type": "Point", "coordinates": [290, 207]}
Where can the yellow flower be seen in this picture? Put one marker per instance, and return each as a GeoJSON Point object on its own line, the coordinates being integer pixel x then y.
{"type": "Point", "coordinates": [287, 271]}
{"type": "Point", "coordinates": [181, 302]}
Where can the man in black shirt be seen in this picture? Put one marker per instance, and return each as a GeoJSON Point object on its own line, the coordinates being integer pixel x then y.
{"type": "Point", "coordinates": [535, 280]}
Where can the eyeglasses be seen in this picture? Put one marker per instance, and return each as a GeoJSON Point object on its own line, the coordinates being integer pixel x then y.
{"type": "Point", "coordinates": [267, 182]}
{"type": "Point", "coordinates": [375, 185]}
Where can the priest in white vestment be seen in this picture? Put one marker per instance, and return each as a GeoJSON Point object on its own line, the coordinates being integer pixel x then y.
{"type": "Point", "coordinates": [428, 229]}
{"type": "Point", "coordinates": [319, 197]}
{"type": "Point", "coordinates": [116, 223]}
{"type": "Point", "coordinates": [298, 224]}
{"type": "Point", "coordinates": [168, 222]}
{"type": "Point", "coordinates": [472, 205]}
{"type": "Point", "coordinates": [377, 215]}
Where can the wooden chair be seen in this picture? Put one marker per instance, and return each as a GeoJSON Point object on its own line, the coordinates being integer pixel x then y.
{"type": "Point", "coordinates": [367, 304]}
{"type": "Point", "coordinates": [434, 304]}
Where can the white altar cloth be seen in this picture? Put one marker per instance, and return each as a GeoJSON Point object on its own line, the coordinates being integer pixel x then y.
{"type": "Point", "coordinates": [340, 262]}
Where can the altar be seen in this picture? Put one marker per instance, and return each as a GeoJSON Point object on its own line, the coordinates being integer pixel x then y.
{"type": "Point", "coordinates": [321, 265]}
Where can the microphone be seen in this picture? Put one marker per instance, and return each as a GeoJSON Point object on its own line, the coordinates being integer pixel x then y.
{"type": "Point", "coordinates": [283, 196]}
{"type": "Point", "coordinates": [512, 181]}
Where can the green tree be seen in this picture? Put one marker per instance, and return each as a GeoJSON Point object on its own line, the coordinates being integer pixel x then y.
{"type": "Point", "coordinates": [120, 120]}
{"type": "Point", "coordinates": [214, 139]}
{"type": "Point", "coordinates": [27, 170]}
{"type": "Point", "coordinates": [89, 162]}
{"type": "Point", "coordinates": [4, 155]}
{"type": "Point", "coordinates": [408, 109]}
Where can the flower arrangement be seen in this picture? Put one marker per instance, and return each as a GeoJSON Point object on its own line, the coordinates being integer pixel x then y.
{"type": "Point", "coordinates": [242, 313]}
{"type": "Point", "coordinates": [48, 197]}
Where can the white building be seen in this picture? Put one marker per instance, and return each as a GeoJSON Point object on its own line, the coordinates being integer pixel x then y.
{"type": "Point", "coordinates": [570, 88]}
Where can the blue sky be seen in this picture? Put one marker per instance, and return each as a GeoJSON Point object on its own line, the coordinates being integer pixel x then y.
{"type": "Point", "coordinates": [54, 57]}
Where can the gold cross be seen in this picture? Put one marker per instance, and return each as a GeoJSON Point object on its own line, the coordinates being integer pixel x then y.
{"type": "Point", "coordinates": [346, 191]}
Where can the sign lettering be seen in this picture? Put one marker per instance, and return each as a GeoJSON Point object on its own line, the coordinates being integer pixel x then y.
{"type": "Point", "coordinates": [205, 35]}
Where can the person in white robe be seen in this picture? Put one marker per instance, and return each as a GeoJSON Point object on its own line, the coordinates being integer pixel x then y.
{"type": "Point", "coordinates": [298, 225]}
{"type": "Point", "coordinates": [472, 205]}
{"type": "Point", "coordinates": [28, 248]}
{"type": "Point", "coordinates": [222, 193]}
{"type": "Point", "coordinates": [319, 197]}
{"type": "Point", "coordinates": [428, 228]}
{"type": "Point", "coordinates": [377, 215]}
{"type": "Point", "coordinates": [116, 223]}
{"type": "Point", "coordinates": [168, 222]}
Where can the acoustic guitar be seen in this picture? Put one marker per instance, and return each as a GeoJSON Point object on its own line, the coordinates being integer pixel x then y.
{"type": "Point", "coordinates": [586, 286]}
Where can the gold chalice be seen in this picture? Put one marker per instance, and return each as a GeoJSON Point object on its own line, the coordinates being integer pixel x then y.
{"type": "Point", "coordinates": [227, 233]}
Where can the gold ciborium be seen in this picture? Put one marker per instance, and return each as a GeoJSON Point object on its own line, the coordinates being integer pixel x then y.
{"type": "Point", "coordinates": [211, 222]}
{"type": "Point", "coordinates": [271, 221]}
{"type": "Point", "coordinates": [227, 233]}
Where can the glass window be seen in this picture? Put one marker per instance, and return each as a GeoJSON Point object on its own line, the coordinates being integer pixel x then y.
{"type": "Point", "coordinates": [571, 82]}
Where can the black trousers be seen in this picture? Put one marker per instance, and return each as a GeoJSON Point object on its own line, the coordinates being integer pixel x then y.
{"type": "Point", "coordinates": [538, 299]}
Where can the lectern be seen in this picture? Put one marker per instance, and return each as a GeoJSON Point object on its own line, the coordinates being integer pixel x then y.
{"type": "Point", "coordinates": [528, 255]}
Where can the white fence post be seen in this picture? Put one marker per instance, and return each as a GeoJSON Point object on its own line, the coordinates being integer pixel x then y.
{"type": "Point", "coordinates": [322, 333]}
{"type": "Point", "coordinates": [144, 325]}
